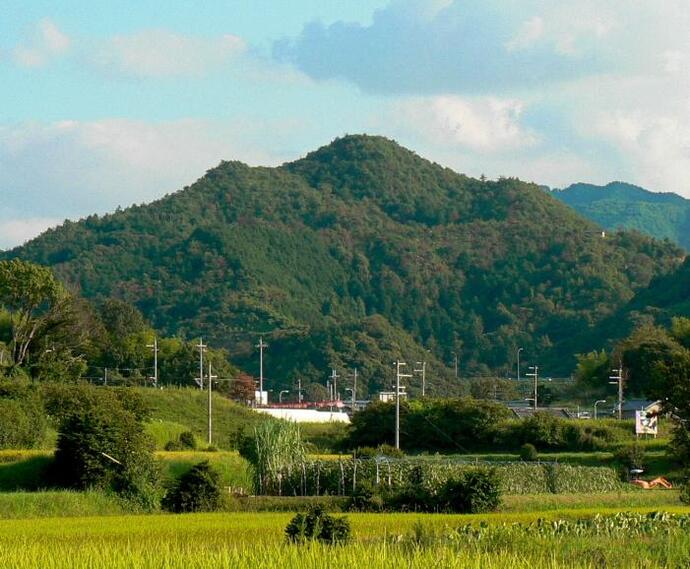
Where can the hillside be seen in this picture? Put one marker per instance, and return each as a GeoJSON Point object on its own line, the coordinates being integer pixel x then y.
{"type": "Point", "coordinates": [624, 206]}
{"type": "Point", "coordinates": [357, 254]}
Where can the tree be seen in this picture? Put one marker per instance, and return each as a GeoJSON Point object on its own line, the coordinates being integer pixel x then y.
{"type": "Point", "coordinates": [198, 490]}
{"type": "Point", "coordinates": [593, 369]}
{"type": "Point", "coordinates": [102, 444]}
{"type": "Point", "coordinates": [242, 388]}
{"type": "Point", "coordinates": [37, 301]}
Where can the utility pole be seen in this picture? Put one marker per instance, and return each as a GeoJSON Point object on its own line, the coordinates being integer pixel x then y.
{"type": "Point", "coordinates": [535, 375]}
{"type": "Point", "coordinates": [299, 391]}
{"type": "Point", "coordinates": [209, 388]}
{"type": "Point", "coordinates": [354, 389]}
{"type": "Point", "coordinates": [398, 375]}
{"type": "Point", "coordinates": [618, 380]}
{"type": "Point", "coordinates": [518, 363]}
{"type": "Point", "coordinates": [261, 345]}
{"type": "Point", "coordinates": [201, 347]}
{"type": "Point", "coordinates": [105, 376]}
{"type": "Point", "coordinates": [423, 372]}
{"type": "Point", "coordinates": [334, 383]}
{"type": "Point", "coordinates": [154, 347]}
{"type": "Point", "coordinates": [455, 363]}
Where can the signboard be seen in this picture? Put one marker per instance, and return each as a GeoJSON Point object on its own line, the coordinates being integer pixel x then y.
{"type": "Point", "coordinates": [646, 423]}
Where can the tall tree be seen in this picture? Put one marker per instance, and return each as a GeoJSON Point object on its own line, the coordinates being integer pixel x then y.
{"type": "Point", "coordinates": [38, 303]}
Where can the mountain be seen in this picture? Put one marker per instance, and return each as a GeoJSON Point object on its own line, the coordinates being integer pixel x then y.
{"type": "Point", "coordinates": [356, 255]}
{"type": "Point", "coordinates": [624, 206]}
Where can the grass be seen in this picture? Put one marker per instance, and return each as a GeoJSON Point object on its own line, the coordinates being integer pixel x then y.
{"type": "Point", "coordinates": [175, 410]}
{"type": "Point", "coordinates": [233, 469]}
{"type": "Point", "coordinates": [256, 541]}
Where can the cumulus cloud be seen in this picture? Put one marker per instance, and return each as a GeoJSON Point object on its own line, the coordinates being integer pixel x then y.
{"type": "Point", "coordinates": [70, 169]}
{"type": "Point", "coordinates": [162, 53]}
{"type": "Point", "coordinates": [485, 124]}
{"type": "Point", "coordinates": [47, 42]}
{"type": "Point", "coordinates": [460, 46]}
{"type": "Point", "coordinates": [489, 46]}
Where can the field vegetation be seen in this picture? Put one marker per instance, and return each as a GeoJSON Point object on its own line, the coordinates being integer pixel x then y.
{"type": "Point", "coordinates": [409, 540]}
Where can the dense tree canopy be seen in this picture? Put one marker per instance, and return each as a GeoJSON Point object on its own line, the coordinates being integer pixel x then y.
{"type": "Point", "coordinates": [359, 254]}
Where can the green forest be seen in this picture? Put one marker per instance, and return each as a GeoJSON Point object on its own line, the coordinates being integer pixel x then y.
{"type": "Point", "coordinates": [354, 256]}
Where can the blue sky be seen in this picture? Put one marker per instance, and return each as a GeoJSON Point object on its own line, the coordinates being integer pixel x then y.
{"type": "Point", "coordinates": [106, 104]}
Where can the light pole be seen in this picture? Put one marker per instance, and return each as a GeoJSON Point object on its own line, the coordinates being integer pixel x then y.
{"type": "Point", "coordinates": [535, 375]}
{"type": "Point", "coordinates": [398, 375]}
{"type": "Point", "coordinates": [334, 383]}
{"type": "Point", "coordinates": [354, 389]}
{"type": "Point", "coordinates": [518, 363]}
{"type": "Point", "coordinates": [154, 347]}
{"type": "Point", "coordinates": [423, 372]}
{"type": "Point", "coordinates": [201, 347]}
{"type": "Point", "coordinates": [595, 406]}
{"type": "Point", "coordinates": [618, 381]}
{"type": "Point", "coordinates": [280, 395]}
{"type": "Point", "coordinates": [455, 363]}
{"type": "Point", "coordinates": [261, 345]}
{"type": "Point", "coordinates": [211, 377]}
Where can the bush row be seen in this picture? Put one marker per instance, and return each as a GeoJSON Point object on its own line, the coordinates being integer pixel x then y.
{"type": "Point", "coordinates": [469, 425]}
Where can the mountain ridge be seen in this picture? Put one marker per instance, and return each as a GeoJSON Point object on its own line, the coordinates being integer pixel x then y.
{"type": "Point", "coordinates": [620, 205]}
{"type": "Point", "coordinates": [355, 255]}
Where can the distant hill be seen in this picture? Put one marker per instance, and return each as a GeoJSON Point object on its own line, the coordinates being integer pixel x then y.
{"type": "Point", "coordinates": [356, 255]}
{"type": "Point", "coordinates": [624, 206]}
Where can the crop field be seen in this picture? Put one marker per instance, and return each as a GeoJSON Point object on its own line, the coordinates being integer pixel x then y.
{"type": "Point", "coordinates": [563, 539]}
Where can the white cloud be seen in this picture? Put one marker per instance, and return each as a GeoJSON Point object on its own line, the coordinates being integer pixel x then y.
{"type": "Point", "coordinates": [47, 42]}
{"type": "Point", "coordinates": [162, 53]}
{"type": "Point", "coordinates": [70, 169]}
{"type": "Point", "coordinates": [482, 124]}
{"type": "Point", "coordinates": [528, 34]}
{"type": "Point", "coordinates": [657, 147]}
{"type": "Point", "coordinates": [18, 231]}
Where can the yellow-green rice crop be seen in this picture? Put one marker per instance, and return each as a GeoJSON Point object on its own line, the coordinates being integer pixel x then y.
{"type": "Point", "coordinates": [256, 541]}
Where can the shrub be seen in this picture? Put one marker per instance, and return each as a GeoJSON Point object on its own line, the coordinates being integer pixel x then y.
{"type": "Point", "coordinates": [474, 491]}
{"type": "Point", "coordinates": [103, 445]}
{"type": "Point", "coordinates": [173, 446]}
{"type": "Point", "coordinates": [381, 450]}
{"type": "Point", "coordinates": [199, 490]}
{"type": "Point", "coordinates": [528, 452]}
{"type": "Point", "coordinates": [22, 423]}
{"type": "Point", "coordinates": [685, 492]}
{"type": "Point", "coordinates": [316, 524]}
{"type": "Point", "coordinates": [187, 440]}
{"type": "Point", "coordinates": [630, 457]}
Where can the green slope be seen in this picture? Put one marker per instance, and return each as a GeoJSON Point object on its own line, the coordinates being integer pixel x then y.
{"type": "Point", "coordinates": [358, 254]}
{"type": "Point", "coordinates": [624, 206]}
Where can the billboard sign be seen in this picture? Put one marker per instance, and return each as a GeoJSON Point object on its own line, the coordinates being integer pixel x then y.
{"type": "Point", "coordinates": [646, 423]}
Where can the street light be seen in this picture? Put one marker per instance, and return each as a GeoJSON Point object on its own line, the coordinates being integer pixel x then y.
{"type": "Point", "coordinates": [595, 406]}
{"type": "Point", "coordinates": [280, 395]}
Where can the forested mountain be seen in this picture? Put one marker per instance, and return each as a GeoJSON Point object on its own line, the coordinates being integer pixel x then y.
{"type": "Point", "coordinates": [357, 254]}
{"type": "Point", "coordinates": [624, 206]}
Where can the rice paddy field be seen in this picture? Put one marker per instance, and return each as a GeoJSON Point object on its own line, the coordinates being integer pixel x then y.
{"type": "Point", "coordinates": [249, 540]}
